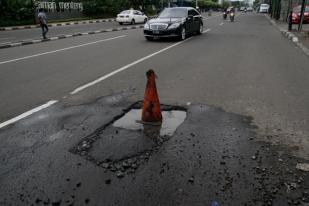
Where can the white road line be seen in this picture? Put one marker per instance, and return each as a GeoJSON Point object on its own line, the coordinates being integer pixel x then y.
{"type": "Point", "coordinates": [59, 50]}
{"type": "Point", "coordinates": [221, 24]}
{"type": "Point", "coordinates": [26, 114]}
{"type": "Point", "coordinates": [124, 68]}
{"type": "Point", "coordinates": [205, 31]}
{"type": "Point", "coordinates": [36, 40]}
{"type": "Point", "coordinates": [6, 42]}
{"type": "Point", "coordinates": [15, 44]}
{"type": "Point", "coordinates": [54, 38]}
{"type": "Point", "coordinates": [48, 104]}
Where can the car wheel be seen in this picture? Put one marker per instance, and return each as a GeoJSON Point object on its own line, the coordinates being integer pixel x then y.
{"type": "Point", "coordinates": [133, 22]}
{"type": "Point", "coordinates": [149, 38]}
{"type": "Point", "coordinates": [200, 31]}
{"type": "Point", "coordinates": [182, 34]}
{"type": "Point", "coordinates": [120, 23]}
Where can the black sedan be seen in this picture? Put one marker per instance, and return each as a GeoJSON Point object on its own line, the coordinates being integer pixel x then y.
{"type": "Point", "coordinates": [174, 22]}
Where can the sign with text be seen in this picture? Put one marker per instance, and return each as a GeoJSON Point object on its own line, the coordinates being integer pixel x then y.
{"type": "Point", "coordinates": [63, 6]}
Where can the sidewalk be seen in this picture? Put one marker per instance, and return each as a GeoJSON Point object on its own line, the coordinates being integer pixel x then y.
{"type": "Point", "coordinates": [57, 24]}
{"type": "Point", "coordinates": [303, 36]}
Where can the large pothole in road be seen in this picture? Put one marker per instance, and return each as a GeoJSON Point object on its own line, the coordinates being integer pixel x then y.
{"type": "Point", "coordinates": [124, 144]}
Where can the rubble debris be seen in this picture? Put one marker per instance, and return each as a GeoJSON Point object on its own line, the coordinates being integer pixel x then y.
{"type": "Point", "coordinates": [303, 166]}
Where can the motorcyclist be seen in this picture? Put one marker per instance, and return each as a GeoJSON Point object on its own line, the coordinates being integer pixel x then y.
{"type": "Point", "coordinates": [225, 13]}
{"type": "Point", "coordinates": [232, 10]}
{"type": "Point", "coordinates": [232, 14]}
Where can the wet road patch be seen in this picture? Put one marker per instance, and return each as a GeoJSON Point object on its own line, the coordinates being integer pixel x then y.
{"type": "Point", "coordinates": [123, 144]}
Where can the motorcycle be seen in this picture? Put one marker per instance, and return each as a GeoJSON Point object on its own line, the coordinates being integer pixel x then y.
{"type": "Point", "coordinates": [225, 15]}
{"type": "Point", "coordinates": [232, 16]}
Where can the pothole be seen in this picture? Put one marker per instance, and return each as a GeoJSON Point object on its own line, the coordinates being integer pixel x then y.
{"type": "Point", "coordinates": [124, 144]}
{"type": "Point", "coordinates": [171, 120]}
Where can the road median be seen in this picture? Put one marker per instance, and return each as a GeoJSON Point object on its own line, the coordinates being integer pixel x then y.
{"type": "Point", "coordinates": [35, 41]}
{"type": "Point", "coordinates": [57, 24]}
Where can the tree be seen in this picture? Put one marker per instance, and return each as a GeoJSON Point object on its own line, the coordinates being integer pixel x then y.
{"type": "Point", "coordinates": [16, 12]}
{"type": "Point", "coordinates": [225, 4]}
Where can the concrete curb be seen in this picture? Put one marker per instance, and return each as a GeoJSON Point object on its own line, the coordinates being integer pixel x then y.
{"type": "Point", "coordinates": [289, 35]}
{"type": "Point", "coordinates": [34, 41]}
{"type": "Point", "coordinates": [56, 24]}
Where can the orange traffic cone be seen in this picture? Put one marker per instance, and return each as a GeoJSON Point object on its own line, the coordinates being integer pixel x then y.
{"type": "Point", "coordinates": [151, 106]}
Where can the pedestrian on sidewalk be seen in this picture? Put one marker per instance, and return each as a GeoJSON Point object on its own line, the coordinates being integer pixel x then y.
{"type": "Point", "coordinates": [43, 22]}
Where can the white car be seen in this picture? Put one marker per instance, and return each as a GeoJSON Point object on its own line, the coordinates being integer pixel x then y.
{"type": "Point", "coordinates": [249, 8]}
{"type": "Point", "coordinates": [264, 8]}
{"type": "Point", "coordinates": [131, 17]}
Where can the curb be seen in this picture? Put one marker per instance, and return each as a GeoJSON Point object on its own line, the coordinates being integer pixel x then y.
{"type": "Point", "coordinates": [289, 35]}
{"type": "Point", "coordinates": [34, 41]}
{"type": "Point", "coordinates": [56, 24]}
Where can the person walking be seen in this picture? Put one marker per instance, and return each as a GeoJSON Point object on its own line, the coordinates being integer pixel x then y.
{"type": "Point", "coordinates": [43, 22]}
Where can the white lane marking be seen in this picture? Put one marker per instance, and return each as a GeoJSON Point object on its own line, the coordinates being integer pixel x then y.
{"type": "Point", "coordinates": [59, 50]}
{"type": "Point", "coordinates": [205, 31]}
{"type": "Point", "coordinates": [221, 24]}
{"type": "Point", "coordinates": [15, 44]}
{"type": "Point", "coordinates": [26, 114]}
{"type": "Point", "coordinates": [6, 42]}
{"type": "Point", "coordinates": [124, 68]}
{"type": "Point", "coordinates": [36, 40]}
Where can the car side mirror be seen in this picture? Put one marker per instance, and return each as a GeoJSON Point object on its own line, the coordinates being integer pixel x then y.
{"type": "Point", "coordinates": [190, 17]}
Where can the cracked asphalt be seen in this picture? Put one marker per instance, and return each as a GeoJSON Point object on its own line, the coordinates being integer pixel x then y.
{"type": "Point", "coordinates": [242, 84]}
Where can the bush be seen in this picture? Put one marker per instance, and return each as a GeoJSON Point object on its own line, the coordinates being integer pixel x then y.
{"type": "Point", "coordinates": [16, 12]}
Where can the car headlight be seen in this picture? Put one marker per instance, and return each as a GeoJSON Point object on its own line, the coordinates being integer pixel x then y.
{"type": "Point", "coordinates": [174, 26]}
{"type": "Point", "coordinates": [146, 26]}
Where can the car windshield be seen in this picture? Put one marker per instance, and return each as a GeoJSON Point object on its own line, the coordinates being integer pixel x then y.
{"type": "Point", "coordinates": [125, 12]}
{"type": "Point", "coordinates": [173, 13]}
{"type": "Point", "coordinates": [297, 9]}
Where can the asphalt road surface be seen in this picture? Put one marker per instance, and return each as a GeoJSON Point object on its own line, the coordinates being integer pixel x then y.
{"type": "Point", "coordinates": [30, 34]}
{"type": "Point", "coordinates": [36, 33]}
{"type": "Point", "coordinates": [244, 153]}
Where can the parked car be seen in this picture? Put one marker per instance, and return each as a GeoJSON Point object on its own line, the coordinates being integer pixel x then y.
{"type": "Point", "coordinates": [264, 8]}
{"type": "Point", "coordinates": [242, 8]}
{"type": "Point", "coordinates": [296, 15]}
{"type": "Point", "coordinates": [174, 22]}
{"type": "Point", "coordinates": [131, 17]}
{"type": "Point", "coordinates": [249, 9]}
